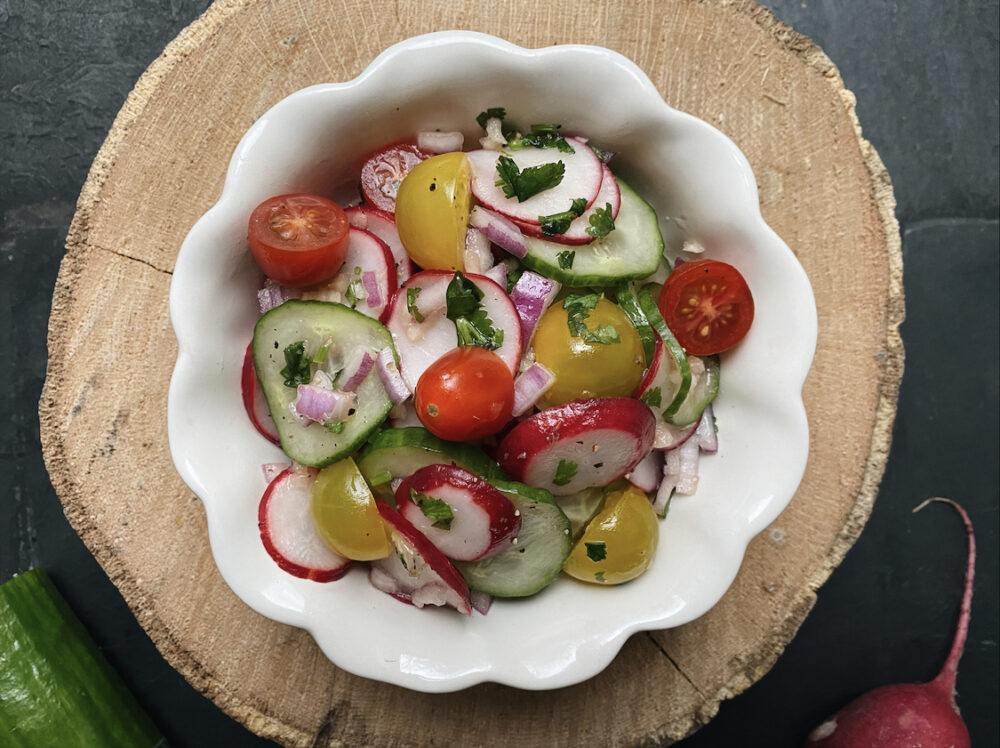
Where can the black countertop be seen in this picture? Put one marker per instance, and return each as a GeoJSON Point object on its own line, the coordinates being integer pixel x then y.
{"type": "Point", "coordinates": [926, 78]}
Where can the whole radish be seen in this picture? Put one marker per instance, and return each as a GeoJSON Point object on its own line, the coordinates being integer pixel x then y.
{"type": "Point", "coordinates": [909, 715]}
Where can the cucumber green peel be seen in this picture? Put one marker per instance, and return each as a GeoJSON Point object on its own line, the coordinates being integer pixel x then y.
{"type": "Point", "coordinates": [56, 689]}
{"type": "Point", "coordinates": [625, 296]}
{"type": "Point", "coordinates": [673, 348]}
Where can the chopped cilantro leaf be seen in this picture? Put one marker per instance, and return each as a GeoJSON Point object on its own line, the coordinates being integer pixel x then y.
{"type": "Point", "coordinates": [472, 324]}
{"type": "Point", "coordinates": [599, 576]}
{"type": "Point", "coordinates": [513, 275]}
{"type": "Point", "coordinates": [601, 222]}
{"type": "Point", "coordinates": [543, 127]}
{"type": "Point", "coordinates": [462, 297]}
{"type": "Point", "coordinates": [565, 259]}
{"type": "Point", "coordinates": [603, 334]}
{"type": "Point", "coordinates": [653, 398]}
{"type": "Point", "coordinates": [605, 156]}
{"type": "Point", "coordinates": [528, 183]}
{"type": "Point", "coordinates": [597, 551]}
{"type": "Point", "coordinates": [297, 365]}
{"type": "Point", "coordinates": [578, 308]}
{"type": "Point", "coordinates": [541, 139]}
{"type": "Point", "coordinates": [411, 303]}
{"type": "Point", "coordinates": [354, 292]}
{"type": "Point", "coordinates": [564, 472]}
{"type": "Point", "coordinates": [558, 223]}
{"type": "Point", "coordinates": [336, 427]}
{"type": "Point", "coordinates": [321, 353]}
{"type": "Point", "coordinates": [496, 112]}
{"type": "Point", "coordinates": [434, 509]}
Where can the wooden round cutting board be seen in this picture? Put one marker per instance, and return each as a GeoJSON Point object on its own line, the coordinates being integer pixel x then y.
{"type": "Point", "coordinates": [111, 352]}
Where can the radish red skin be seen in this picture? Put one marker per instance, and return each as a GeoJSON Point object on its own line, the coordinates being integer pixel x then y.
{"type": "Point", "coordinates": [908, 715]}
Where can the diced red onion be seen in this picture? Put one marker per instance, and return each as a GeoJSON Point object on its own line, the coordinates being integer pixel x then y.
{"type": "Point", "coordinates": [370, 282]}
{"type": "Point", "coordinates": [392, 380]}
{"type": "Point", "coordinates": [606, 156]}
{"type": "Point", "coordinates": [680, 469]}
{"type": "Point", "coordinates": [316, 403]}
{"type": "Point", "coordinates": [669, 436]}
{"type": "Point", "coordinates": [433, 141]}
{"type": "Point", "coordinates": [647, 474]}
{"type": "Point", "coordinates": [478, 255]}
{"type": "Point", "coordinates": [705, 434]}
{"type": "Point", "coordinates": [499, 230]}
{"type": "Point", "coordinates": [356, 370]}
{"type": "Point", "coordinates": [272, 470]}
{"type": "Point", "coordinates": [270, 296]}
{"type": "Point", "coordinates": [530, 385]}
{"type": "Point", "coordinates": [498, 273]}
{"type": "Point", "coordinates": [532, 295]}
{"type": "Point", "coordinates": [481, 601]}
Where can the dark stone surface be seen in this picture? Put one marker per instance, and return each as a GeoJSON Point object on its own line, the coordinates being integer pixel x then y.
{"type": "Point", "coordinates": [926, 78]}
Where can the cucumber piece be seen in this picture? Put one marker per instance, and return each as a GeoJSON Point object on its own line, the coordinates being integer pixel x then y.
{"type": "Point", "coordinates": [671, 347]}
{"type": "Point", "coordinates": [316, 323]}
{"type": "Point", "coordinates": [704, 388]}
{"type": "Point", "coordinates": [630, 252]}
{"type": "Point", "coordinates": [397, 453]}
{"type": "Point", "coordinates": [625, 296]}
{"type": "Point", "coordinates": [56, 688]}
{"type": "Point", "coordinates": [531, 564]}
{"type": "Point", "coordinates": [581, 507]}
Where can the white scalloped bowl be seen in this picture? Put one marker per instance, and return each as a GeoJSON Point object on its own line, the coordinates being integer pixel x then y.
{"type": "Point", "coordinates": [701, 186]}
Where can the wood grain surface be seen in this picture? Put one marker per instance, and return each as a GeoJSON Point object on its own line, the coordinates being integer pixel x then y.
{"type": "Point", "coordinates": [111, 352]}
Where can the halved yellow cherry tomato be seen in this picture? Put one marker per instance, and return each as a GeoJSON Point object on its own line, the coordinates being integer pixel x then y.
{"type": "Point", "coordinates": [588, 369]}
{"type": "Point", "coordinates": [432, 211]}
{"type": "Point", "coordinates": [618, 544]}
{"type": "Point", "coordinates": [345, 514]}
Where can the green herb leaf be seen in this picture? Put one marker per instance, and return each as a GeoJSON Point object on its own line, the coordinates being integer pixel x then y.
{"type": "Point", "coordinates": [558, 223]}
{"type": "Point", "coordinates": [578, 308]}
{"type": "Point", "coordinates": [336, 427]}
{"type": "Point", "coordinates": [528, 183]}
{"type": "Point", "coordinates": [472, 324]}
{"type": "Point", "coordinates": [411, 303]}
{"type": "Point", "coordinates": [565, 259]}
{"type": "Point", "coordinates": [603, 334]}
{"type": "Point", "coordinates": [597, 551]}
{"type": "Point", "coordinates": [564, 472]}
{"type": "Point", "coordinates": [653, 398]}
{"type": "Point", "coordinates": [603, 155]}
{"type": "Point", "coordinates": [541, 139]}
{"type": "Point", "coordinates": [462, 297]}
{"type": "Point", "coordinates": [497, 112]}
{"type": "Point", "coordinates": [297, 365]}
{"type": "Point", "coordinates": [599, 576]}
{"type": "Point", "coordinates": [513, 275]}
{"type": "Point", "coordinates": [434, 509]}
{"type": "Point", "coordinates": [601, 222]}
{"type": "Point", "coordinates": [354, 292]}
{"type": "Point", "coordinates": [321, 353]}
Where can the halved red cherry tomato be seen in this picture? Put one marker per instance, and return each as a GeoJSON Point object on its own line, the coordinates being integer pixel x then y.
{"type": "Point", "coordinates": [384, 170]}
{"type": "Point", "coordinates": [707, 305]}
{"type": "Point", "coordinates": [468, 393]}
{"type": "Point", "coordinates": [298, 240]}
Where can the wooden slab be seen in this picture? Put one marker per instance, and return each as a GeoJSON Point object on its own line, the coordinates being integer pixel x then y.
{"type": "Point", "coordinates": [103, 410]}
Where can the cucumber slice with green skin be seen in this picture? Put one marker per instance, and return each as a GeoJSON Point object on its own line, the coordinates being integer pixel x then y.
{"type": "Point", "coordinates": [630, 252]}
{"type": "Point", "coordinates": [704, 388]}
{"type": "Point", "coordinates": [318, 323]}
{"type": "Point", "coordinates": [398, 453]}
{"type": "Point", "coordinates": [625, 296]}
{"type": "Point", "coordinates": [534, 561]}
{"type": "Point", "coordinates": [56, 687]}
{"type": "Point", "coordinates": [671, 347]}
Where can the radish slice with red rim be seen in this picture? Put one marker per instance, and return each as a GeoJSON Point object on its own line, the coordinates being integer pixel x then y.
{"type": "Point", "coordinates": [289, 533]}
{"type": "Point", "coordinates": [582, 176]}
{"type": "Point", "coordinates": [366, 281]}
{"type": "Point", "coordinates": [421, 342]}
{"type": "Point", "coordinates": [459, 512]}
{"type": "Point", "coordinates": [609, 194]}
{"type": "Point", "coordinates": [416, 572]}
{"type": "Point", "coordinates": [580, 444]}
{"type": "Point", "coordinates": [382, 224]}
{"type": "Point", "coordinates": [254, 400]}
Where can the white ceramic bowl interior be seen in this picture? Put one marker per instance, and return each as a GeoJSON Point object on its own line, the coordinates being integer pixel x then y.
{"type": "Point", "coordinates": [702, 188]}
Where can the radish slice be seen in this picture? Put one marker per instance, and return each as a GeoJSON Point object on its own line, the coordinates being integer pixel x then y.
{"type": "Point", "coordinates": [659, 385]}
{"type": "Point", "coordinates": [498, 274]}
{"type": "Point", "coordinates": [582, 178]}
{"type": "Point", "coordinates": [669, 436]}
{"type": "Point", "coordinates": [580, 444]}
{"type": "Point", "coordinates": [289, 534]}
{"type": "Point", "coordinates": [382, 224]}
{"type": "Point", "coordinates": [609, 194]}
{"type": "Point", "coordinates": [367, 280]}
{"type": "Point", "coordinates": [254, 400]}
{"type": "Point", "coordinates": [680, 474]}
{"type": "Point", "coordinates": [416, 572]}
{"type": "Point", "coordinates": [460, 513]}
{"type": "Point", "coordinates": [532, 295]}
{"type": "Point", "coordinates": [647, 474]}
{"type": "Point", "coordinates": [420, 344]}
{"type": "Point", "coordinates": [272, 470]}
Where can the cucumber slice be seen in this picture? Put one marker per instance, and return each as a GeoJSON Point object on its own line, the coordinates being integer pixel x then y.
{"type": "Point", "coordinates": [315, 323]}
{"type": "Point", "coordinates": [531, 564]}
{"type": "Point", "coordinates": [671, 347]}
{"type": "Point", "coordinates": [632, 251]}
{"type": "Point", "coordinates": [704, 388]}
{"type": "Point", "coordinates": [397, 453]}
{"type": "Point", "coordinates": [56, 688]}
{"type": "Point", "coordinates": [625, 296]}
{"type": "Point", "coordinates": [581, 507]}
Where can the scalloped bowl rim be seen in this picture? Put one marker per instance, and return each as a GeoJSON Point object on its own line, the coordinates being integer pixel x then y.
{"type": "Point", "coordinates": [575, 629]}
